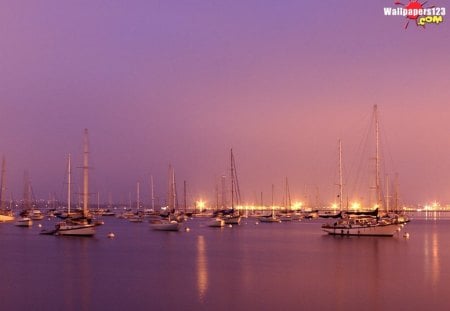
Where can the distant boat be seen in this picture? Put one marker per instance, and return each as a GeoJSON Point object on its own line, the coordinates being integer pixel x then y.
{"type": "Point", "coordinates": [5, 214]}
{"type": "Point", "coordinates": [81, 226]}
{"type": "Point", "coordinates": [168, 224]}
{"type": "Point", "coordinates": [231, 216]}
{"type": "Point", "coordinates": [24, 222]}
{"type": "Point", "coordinates": [216, 222]}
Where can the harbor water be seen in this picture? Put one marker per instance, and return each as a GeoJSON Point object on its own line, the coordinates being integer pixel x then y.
{"type": "Point", "coordinates": [265, 266]}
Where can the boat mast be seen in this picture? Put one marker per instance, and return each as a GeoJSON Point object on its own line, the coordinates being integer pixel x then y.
{"type": "Point", "coordinates": [232, 179]}
{"type": "Point", "coordinates": [69, 177]}
{"type": "Point", "coordinates": [340, 176]}
{"type": "Point", "coordinates": [387, 193]}
{"type": "Point", "coordinates": [2, 185]}
{"type": "Point", "coordinates": [377, 157]}
{"type": "Point", "coordinates": [174, 191]}
{"type": "Point", "coordinates": [85, 173]}
{"type": "Point", "coordinates": [137, 197]}
{"type": "Point", "coordinates": [184, 196]}
{"type": "Point", "coordinates": [153, 194]}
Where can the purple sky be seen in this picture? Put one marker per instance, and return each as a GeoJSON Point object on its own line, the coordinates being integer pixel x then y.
{"type": "Point", "coordinates": [184, 81]}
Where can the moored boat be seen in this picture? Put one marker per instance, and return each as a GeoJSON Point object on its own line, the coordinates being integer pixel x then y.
{"type": "Point", "coordinates": [216, 222]}
{"type": "Point", "coordinates": [24, 222]}
{"type": "Point", "coordinates": [362, 226]}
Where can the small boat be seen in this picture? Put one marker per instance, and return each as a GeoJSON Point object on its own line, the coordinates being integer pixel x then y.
{"type": "Point", "coordinates": [48, 232]}
{"type": "Point", "coordinates": [80, 227]}
{"type": "Point", "coordinates": [216, 222]}
{"type": "Point", "coordinates": [285, 217]}
{"type": "Point", "coordinates": [24, 222]}
{"type": "Point", "coordinates": [269, 219]}
{"type": "Point", "coordinates": [36, 214]}
{"type": "Point", "coordinates": [6, 215]}
{"type": "Point", "coordinates": [362, 226]}
{"type": "Point", "coordinates": [165, 225]}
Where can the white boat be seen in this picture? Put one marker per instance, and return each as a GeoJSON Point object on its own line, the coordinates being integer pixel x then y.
{"type": "Point", "coordinates": [216, 222]}
{"type": "Point", "coordinates": [82, 226]}
{"type": "Point", "coordinates": [24, 222]}
{"type": "Point", "coordinates": [358, 224]}
{"type": "Point", "coordinates": [270, 219]}
{"type": "Point", "coordinates": [36, 214]}
{"type": "Point", "coordinates": [362, 226]}
{"type": "Point", "coordinates": [75, 228]}
{"type": "Point", "coordinates": [168, 224]}
{"type": "Point", "coordinates": [5, 215]}
{"type": "Point", "coordinates": [165, 225]}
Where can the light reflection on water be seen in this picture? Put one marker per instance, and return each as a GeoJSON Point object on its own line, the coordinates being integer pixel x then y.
{"type": "Point", "coordinates": [202, 268]}
{"type": "Point", "coordinates": [288, 266]}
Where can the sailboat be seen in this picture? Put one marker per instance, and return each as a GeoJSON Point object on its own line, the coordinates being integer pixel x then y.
{"type": "Point", "coordinates": [5, 214]}
{"type": "Point", "coordinates": [168, 224]}
{"type": "Point", "coordinates": [25, 220]}
{"type": "Point", "coordinates": [369, 223]}
{"type": "Point", "coordinates": [271, 218]}
{"type": "Point", "coordinates": [232, 216]}
{"type": "Point", "coordinates": [81, 226]}
{"type": "Point", "coordinates": [137, 217]}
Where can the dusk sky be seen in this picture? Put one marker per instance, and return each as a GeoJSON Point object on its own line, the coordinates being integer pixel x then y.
{"type": "Point", "coordinates": [182, 82]}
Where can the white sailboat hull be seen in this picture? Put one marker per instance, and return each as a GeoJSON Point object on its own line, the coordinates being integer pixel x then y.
{"type": "Point", "coordinates": [76, 229]}
{"type": "Point", "coordinates": [24, 222]}
{"type": "Point", "coordinates": [166, 226]}
{"type": "Point", "coordinates": [369, 230]}
{"type": "Point", "coordinates": [216, 223]}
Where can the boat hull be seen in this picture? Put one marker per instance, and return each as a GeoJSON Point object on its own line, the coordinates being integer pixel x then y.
{"type": "Point", "coordinates": [373, 230]}
{"type": "Point", "coordinates": [24, 222]}
{"type": "Point", "coordinates": [216, 223]}
{"type": "Point", "coordinates": [269, 219]}
{"type": "Point", "coordinates": [232, 220]}
{"type": "Point", "coordinates": [166, 226]}
{"type": "Point", "coordinates": [76, 230]}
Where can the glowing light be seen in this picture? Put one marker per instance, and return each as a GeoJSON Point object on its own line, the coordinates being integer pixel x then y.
{"type": "Point", "coordinates": [297, 205]}
{"type": "Point", "coordinates": [334, 206]}
{"type": "Point", "coordinates": [356, 205]}
{"type": "Point", "coordinates": [201, 204]}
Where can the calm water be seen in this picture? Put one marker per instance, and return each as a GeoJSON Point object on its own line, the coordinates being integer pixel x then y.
{"type": "Point", "coordinates": [288, 266]}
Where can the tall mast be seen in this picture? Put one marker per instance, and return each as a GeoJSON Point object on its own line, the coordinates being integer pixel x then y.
{"type": "Point", "coordinates": [184, 196]}
{"type": "Point", "coordinates": [26, 190]}
{"type": "Point", "coordinates": [174, 191]}
{"type": "Point", "coordinates": [137, 196]}
{"type": "Point", "coordinates": [224, 196]}
{"type": "Point", "coordinates": [69, 179]}
{"type": "Point", "coordinates": [85, 173]}
{"type": "Point", "coordinates": [272, 193]}
{"type": "Point", "coordinates": [340, 176]}
{"type": "Point", "coordinates": [153, 194]}
{"type": "Point", "coordinates": [232, 179]}
{"type": "Point", "coordinates": [387, 193]}
{"type": "Point", "coordinates": [169, 190]}
{"type": "Point", "coordinates": [396, 193]}
{"type": "Point", "coordinates": [377, 156]}
{"type": "Point", "coordinates": [2, 184]}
